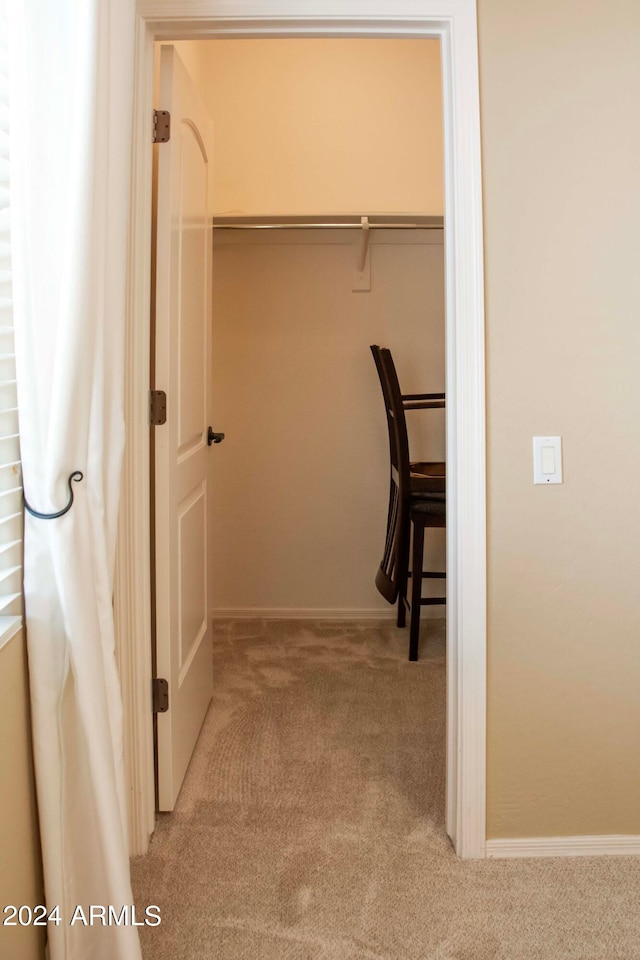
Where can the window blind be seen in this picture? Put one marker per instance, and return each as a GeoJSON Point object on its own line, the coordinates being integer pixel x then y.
{"type": "Point", "coordinates": [11, 509]}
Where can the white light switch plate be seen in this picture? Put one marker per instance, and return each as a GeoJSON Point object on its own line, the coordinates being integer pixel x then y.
{"type": "Point", "coordinates": [547, 459]}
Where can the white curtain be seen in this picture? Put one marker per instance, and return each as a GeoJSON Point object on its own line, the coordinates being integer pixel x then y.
{"type": "Point", "coordinates": [71, 91]}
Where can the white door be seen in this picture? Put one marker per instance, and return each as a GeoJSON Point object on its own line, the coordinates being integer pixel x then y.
{"type": "Point", "coordinates": [182, 370]}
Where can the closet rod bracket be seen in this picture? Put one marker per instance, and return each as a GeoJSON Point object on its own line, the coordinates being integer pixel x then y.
{"type": "Point", "coordinates": [364, 243]}
{"type": "Point", "coordinates": [362, 275]}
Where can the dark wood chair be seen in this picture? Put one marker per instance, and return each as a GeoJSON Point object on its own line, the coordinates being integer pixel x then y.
{"type": "Point", "coordinates": [417, 500]}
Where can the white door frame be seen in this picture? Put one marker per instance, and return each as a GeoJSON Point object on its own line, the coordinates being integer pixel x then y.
{"type": "Point", "coordinates": [453, 22]}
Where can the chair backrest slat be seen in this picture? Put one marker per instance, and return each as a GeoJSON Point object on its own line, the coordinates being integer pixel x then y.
{"type": "Point", "coordinates": [392, 573]}
{"type": "Point", "coordinates": [397, 542]}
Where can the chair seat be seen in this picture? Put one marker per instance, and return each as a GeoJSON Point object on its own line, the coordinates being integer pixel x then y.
{"type": "Point", "coordinates": [428, 495]}
{"type": "Point", "coordinates": [427, 508]}
{"type": "Point", "coordinates": [429, 469]}
{"type": "Point", "coordinates": [428, 478]}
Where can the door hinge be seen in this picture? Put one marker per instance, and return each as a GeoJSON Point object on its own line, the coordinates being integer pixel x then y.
{"type": "Point", "coordinates": [160, 695]}
{"type": "Point", "coordinates": [157, 407]}
{"type": "Point", "coordinates": [161, 126]}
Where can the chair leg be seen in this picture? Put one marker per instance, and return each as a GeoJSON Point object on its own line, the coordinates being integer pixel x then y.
{"type": "Point", "coordinates": [402, 610]}
{"type": "Point", "coordinates": [402, 573]}
{"type": "Point", "coordinates": [416, 588]}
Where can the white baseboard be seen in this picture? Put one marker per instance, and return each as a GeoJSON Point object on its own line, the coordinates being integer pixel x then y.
{"type": "Point", "coordinates": [316, 613]}
{"type": "Point", "coordinates": [613, 845]}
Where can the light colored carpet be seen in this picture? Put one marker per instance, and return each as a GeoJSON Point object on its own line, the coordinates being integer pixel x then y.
{"type": "Point", "coordinates": [310, 825]}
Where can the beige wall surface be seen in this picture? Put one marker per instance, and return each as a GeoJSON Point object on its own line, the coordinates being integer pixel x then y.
{"type": "Point", "coordinates": [324, 126]}
{"type": "Point", "coordinates": [300, 484]}
{"type": "Point", "coordinates": [20, 863]}
{"type": "Point", "coordinates": [561, 158]}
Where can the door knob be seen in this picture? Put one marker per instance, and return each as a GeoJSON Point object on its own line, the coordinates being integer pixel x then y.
{"type": "Point", "coordinates": [214, 437]}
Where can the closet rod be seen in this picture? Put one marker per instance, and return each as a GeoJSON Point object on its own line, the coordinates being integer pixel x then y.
{"type": "Point", "coordinates": [429, 223]}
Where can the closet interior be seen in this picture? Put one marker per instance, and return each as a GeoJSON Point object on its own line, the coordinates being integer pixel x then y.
{"type": "Point", "coordinates": [327, 236]}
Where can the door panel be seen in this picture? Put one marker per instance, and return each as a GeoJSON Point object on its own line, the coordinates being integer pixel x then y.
{"type": "Point", "coordinates": [193, 291]}
{"type": "Point", "coordinates": [192, 538]}
{"type": "Point", "coordinates": [183, 639]}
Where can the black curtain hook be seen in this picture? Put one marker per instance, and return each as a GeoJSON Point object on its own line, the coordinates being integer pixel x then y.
{"type": "Point", "coordinates": [77, 475]}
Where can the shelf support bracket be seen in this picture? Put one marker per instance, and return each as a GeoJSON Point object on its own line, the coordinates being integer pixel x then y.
{"type": "Point", "coordinates": [362, 278]}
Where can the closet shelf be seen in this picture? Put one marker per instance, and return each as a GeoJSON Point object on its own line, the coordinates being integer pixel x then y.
{"type": "Point", "coordinates": [333, 222]}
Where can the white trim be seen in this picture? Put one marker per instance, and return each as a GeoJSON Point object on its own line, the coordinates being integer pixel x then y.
{"type": "Point", "coordinates": [454, 23]}
{"type": "Point", "coordinates": [606, 846]}
{"type": "Point", "coordinates": [132, 585]}
{"type": "Point", "coordinates": [319, 613]}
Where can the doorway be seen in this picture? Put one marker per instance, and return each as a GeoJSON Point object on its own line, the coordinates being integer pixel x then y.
{"type": "Point", "coordinates": [311, 136]}
{"type": "Point", "coordinates": [465, 454]}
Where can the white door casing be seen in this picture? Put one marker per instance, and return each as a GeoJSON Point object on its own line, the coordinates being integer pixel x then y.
{"type": "Point", "coordinates": [453, 22]}
{"type": "Point", "coordinates": [182, 363]}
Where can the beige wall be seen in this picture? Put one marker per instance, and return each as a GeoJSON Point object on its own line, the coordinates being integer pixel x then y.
{"type": "Point", "coordinates": [20, 863]}
{"type": "Point", "coordinates": [300, 484]}
{"type": "Point", "coordinates": [561, 158]}
{"type": "Point", "coordinates": [325, 126]}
